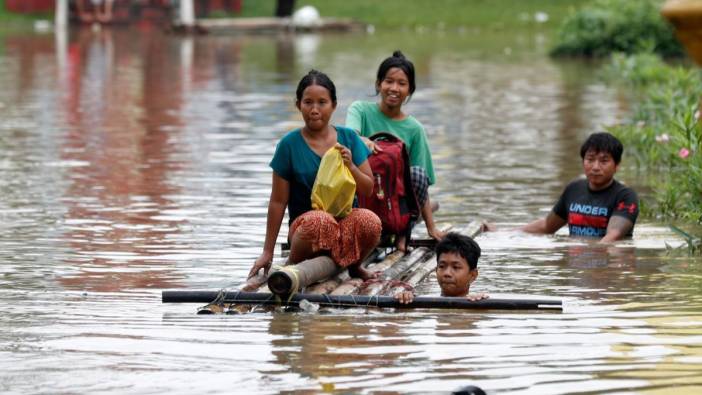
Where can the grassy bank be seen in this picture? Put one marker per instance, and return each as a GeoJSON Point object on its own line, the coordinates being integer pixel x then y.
{"type": "Point", "coordinates": [448, 14]}
{"type": "Point", "coordinates": [432, 14]}
{"type": "Point", "coordinates": [665, 135]}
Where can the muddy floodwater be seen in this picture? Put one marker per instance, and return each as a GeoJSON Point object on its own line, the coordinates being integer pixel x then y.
{"type": "Point", "coordinates": [133, 161]}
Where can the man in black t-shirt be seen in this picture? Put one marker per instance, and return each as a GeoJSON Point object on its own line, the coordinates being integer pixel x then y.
{"type": "Point", "coordinates": [599, 205]}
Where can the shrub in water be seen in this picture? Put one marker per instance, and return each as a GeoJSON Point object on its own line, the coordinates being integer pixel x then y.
{"type": "Point", "coordinates": [608, 26]}
{"type": "Point", "coordinates": [665, 137]}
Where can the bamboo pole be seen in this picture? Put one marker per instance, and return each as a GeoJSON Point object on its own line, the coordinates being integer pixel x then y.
{"type": "Point", "coordinates": [341, 301]}
{"type": "Point", "coordinates": [406, 264]}
{"type": "Point", "coordinates": [414, 278]}
{"type": "Point", "coordinates": [325, 287]}
{"type": "Point", "coordinates": [292, 278]}
{"type": "Point", "coordinates": [393, 273]}
{"type": "Point", "coordinates": [388, 261]}
{"type": "Point", "coordinates": [332, 283]}
{"type": "Point", "coordinates": [348, 287]}
{"type": "Point", "coordinates": [353, 285]}
{"type": "Point", "coordinates": [343, 284]}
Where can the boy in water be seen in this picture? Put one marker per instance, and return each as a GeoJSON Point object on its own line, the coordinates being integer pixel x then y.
{"type": "Point", "coordinates": [457, 267]}
{"type": "Point", "coordinates": [598, 205]}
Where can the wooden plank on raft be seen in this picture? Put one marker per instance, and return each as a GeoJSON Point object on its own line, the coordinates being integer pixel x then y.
{"type": "Point", "coordinates": [352, 285]}
{"type": "Point", "coordinates": [330, 284]}
{"type": "Point", "coordinates": [391, 274]}
{"type": "Point", "coordinates": [343, 284]}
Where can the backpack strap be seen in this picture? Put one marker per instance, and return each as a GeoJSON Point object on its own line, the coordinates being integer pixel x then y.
{"type": "Point", "coordinates": [385, 136]}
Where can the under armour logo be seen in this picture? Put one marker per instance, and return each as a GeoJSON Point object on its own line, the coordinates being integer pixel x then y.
{"type": "Point", "coordinates": [630, 208]}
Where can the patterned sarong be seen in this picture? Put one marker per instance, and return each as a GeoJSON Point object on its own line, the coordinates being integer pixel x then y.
{"type": "Point", "coordinates": [346, 239]}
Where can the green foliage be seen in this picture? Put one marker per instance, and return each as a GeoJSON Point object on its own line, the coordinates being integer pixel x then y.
{"type": "Point", "coordinates": [665, 137]}
{"type": "Point", "coordinates": [608, 26]}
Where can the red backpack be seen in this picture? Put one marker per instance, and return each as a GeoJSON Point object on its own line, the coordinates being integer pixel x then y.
{"type": "Point", "coordinates": [393, 198]}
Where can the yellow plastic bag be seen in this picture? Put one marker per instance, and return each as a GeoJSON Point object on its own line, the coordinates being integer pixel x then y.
{"type": "Point", "coordinates": [334, 186]}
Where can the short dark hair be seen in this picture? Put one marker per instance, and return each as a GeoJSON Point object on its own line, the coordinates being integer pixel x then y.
{"type": "Point", "coordinates": [603, 142]}
{"type": "Point", "coordinates": [460, 244]}
{"type": "Point", "coordinates": [398, 60]}
{"type": "Point", "coordinates": [315, 77]}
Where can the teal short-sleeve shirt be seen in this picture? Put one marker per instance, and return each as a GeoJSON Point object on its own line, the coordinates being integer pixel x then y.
{"type": "Point", "coordinates": [295, 162]}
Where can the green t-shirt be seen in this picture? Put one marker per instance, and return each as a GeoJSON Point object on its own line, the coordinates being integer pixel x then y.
{"type": "Point", "coordinates": [367, 119]}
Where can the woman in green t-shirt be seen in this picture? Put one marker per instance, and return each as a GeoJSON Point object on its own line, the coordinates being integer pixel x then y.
{"type": "Point", "coordinates": [395, 84]}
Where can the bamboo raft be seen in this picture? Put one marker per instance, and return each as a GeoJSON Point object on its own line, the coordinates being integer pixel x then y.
{"type": "Point", "coordinates": [319, 280]}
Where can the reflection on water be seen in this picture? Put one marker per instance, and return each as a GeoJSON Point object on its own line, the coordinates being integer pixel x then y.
{"type": "Point", "coordinates": [133, 161]}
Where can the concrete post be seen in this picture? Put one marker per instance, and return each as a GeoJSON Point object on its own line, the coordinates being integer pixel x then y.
{"type": "Point", "coordinates": [187, 12]}
{"type": "Point", "coordinates": [61, 15]}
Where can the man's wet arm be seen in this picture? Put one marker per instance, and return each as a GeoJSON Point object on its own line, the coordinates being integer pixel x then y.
{"type": "Point", "coordinates": [617, 228]}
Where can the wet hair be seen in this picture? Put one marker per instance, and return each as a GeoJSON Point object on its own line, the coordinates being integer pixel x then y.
{"type": "Point", "coordinates": [315, 77]}
{"type": "Point", "coordinates": [603, 142]}
{"type": "Point", "coordinates": [401, 62]}
{"type": "Point", "coordinates": [460, 244]}
{"type": "Point", "coordinates": [469, 390]}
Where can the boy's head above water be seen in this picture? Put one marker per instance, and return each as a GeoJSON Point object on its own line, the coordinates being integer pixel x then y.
{"type": "Point", "coordinates": [457, 264]}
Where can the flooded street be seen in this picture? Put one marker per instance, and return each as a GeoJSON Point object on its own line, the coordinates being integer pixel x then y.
{"type": "Point", "coordinates": [133, 161]}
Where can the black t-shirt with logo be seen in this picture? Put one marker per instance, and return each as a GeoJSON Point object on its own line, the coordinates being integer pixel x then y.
{"type": "Point", "coordinates": [588, 212]}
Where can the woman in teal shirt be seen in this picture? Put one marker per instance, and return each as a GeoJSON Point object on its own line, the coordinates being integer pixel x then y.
{"type": "Point", "coordinates": [295, 164]}
{"type": "Point", "coordinates": [395, 84]}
